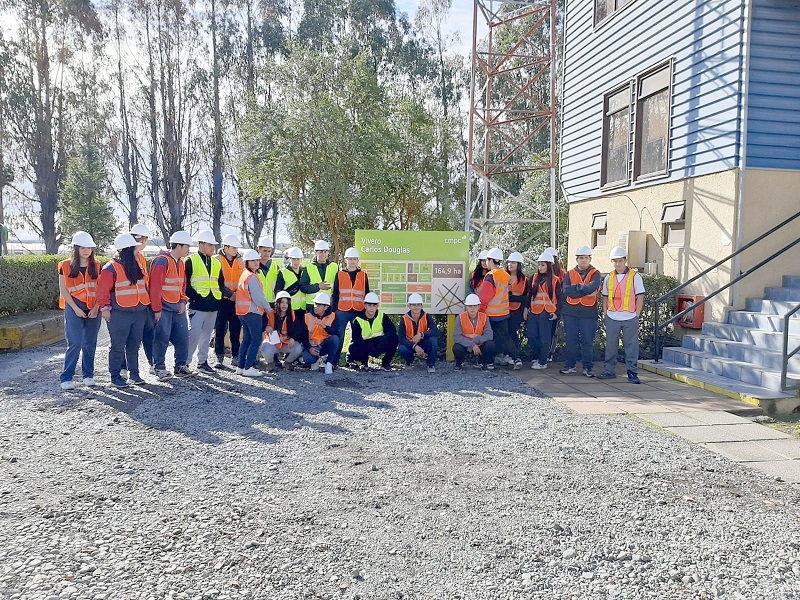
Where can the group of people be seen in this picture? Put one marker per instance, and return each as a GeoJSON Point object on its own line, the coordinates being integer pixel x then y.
{"type": "Point", "coordinates": [289, 314]}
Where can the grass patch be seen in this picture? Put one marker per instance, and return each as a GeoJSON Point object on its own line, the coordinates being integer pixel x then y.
{"type": "Point", "coordinates": [789, 423]}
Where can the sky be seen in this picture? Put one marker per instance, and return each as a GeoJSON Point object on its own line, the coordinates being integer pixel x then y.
{"type": "Point", "coordinates": [460, 19]}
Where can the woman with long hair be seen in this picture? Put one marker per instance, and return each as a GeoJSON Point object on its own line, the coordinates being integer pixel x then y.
{"type": "Point", "coordinates": [77, 284]}
{"type": "Point", "coordinates": [251, 305]}
{"type": "Point", "coordinates": [284, 334]}
{"type": "Point", "coordinates": [479, 272]}
{"type": "Point", "coordinates": [518, 293]}
{"type": "Point", "coordinates": [545, 299]}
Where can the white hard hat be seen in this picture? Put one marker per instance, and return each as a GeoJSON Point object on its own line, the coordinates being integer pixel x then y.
{"type": "Point", "coordinates": [140, 229]}
{"type": "Point", "coordinates": [124, 240]}
{"type": "Point", "coordinates": [516, 257]}
{"type": "Point", "coordinates": [495, 254]}
{"type": "Point", "coordinates": [181, 237]}
{"type": "Point", "coordinates": [265, 242]}
{"type": "Point", "coordinates": [351, 253]}
{"type": "Point", "coordinates": [371, 298]}
{"type": "Point", "coordinates": [552, 251]}
{"type": "Point", "coordinates": [282, 294]}
{"type": "Point", "coordinates": [545, 257]}
{"type": "Point", "coordinates": [618, 252]}
{"type": "Point", "coordinates": [472, 300]}
{"type": "Point", "coordinates": [83, 239]}
{"type": "Point", "coordinates": [482, 254]}
{"type": "Point", "coordinates": [231, 240]}
{"type": "Point", "coordinates": [415, 299]}
{"type": "Point", "coordinates": [206, 236]}
{"type": "Point", "coordinates": [295, 252]}
{"type": "Point", "coordinates": [583, 251]}
{"type": "Point", "coordinates": [251, 255]}
{"type": "Point", "coordinates": [322, 298]}
{"type": "Point", "coordinates": [321, 245]}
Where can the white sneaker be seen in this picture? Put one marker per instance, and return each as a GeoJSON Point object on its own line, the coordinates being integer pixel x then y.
{"type": "Point", "coordinates": [251, 372]}
{"type": "Point", "coordinates": [509, 361]}
{"type": "Point", "coordinates": [67, 385]}
{"type": "Point", "coordinates": [517, 365]}
{"type": "Point", "coordinates": [431, 369]}
{"type": "Point", "coordinates": [89, 382]}
{"type": "Point", "coordinates": [535, 364]}
{"type": "Point", "coordinates": [539, 366]}
{"type": "Point", "coordinates": [328, 368]}
{"type": "Point", "coordinates": [239, 371]}
{"type": "Point", "coordinates": [124, 373]}
{"type": "Point", "coordinates": [152, 370]}
{"type": "Point", "coordinates": [315, 366]}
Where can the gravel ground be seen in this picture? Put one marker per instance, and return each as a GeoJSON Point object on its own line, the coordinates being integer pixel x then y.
{"type": "Point", "coordinates": [370, 485]}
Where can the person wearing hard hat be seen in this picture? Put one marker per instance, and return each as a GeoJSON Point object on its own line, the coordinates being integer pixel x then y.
{"type": "Point", "coordinates": [77, 286]}
{"type": "Point", "coordinates": [418, 335]}
{"type": "Point", "coordinates": [251, 305]}
{"type": "Point", "coordinates": [204, 286]}
{"type": "Point", "coordinates": [558, 271]}
{"type": "Point", "coordinates": [141, 234]}
{"type": "Point", "coordinates": [545, 299]}
{"type": "Point", "coordinates": [268, 269]}
{"type": "Point", "coordinates": [320, 275]}
{"type": "Point", "coordinates": [349, 289]}
{"type": "Point", "coordinates": [322, 335]}
{"type": "Point", "coordinates": [581, 289]}
{"type": "Point", "coordinates": [518, 298]}
{"type": "Point", "coordinates": [495, 303]}
{"type": "Point", "coordinates": [124, 303]}
{"type": "Point", "coordinates": [284, 334]}
{"type": "Point", "coordinates": [623, 295]}
{"type": "Point", "coordinates": [374, 334]}
{"type": "Point", "coordinates": [168, 302]}
{"type": "Point", "coordinates": [289, 280]}
{"type": "Point", "coordinates": [478, 273]}
{"type": "Point", "coordinates": [232, 268]}
{"type": "Point", "coordinates": [473, 336]}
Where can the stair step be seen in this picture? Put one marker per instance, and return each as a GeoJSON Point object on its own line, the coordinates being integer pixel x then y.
{"type": "Point", "coordinates": [763, 322]}
{"type": "Point", "coordinates": [769, 340]}
{"type": "Point", "coordinates": [769, 307]}
{"type": "Point", "coordinates": [744, 352]}
{"type": "Point", "coordinates": [783, 294]}
{"type": "Point", "coordinates": [791, 281]}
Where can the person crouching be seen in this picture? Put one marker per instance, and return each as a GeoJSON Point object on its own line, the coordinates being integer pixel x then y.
{"type": "Point", "coordinates": [374, 334]}
{"type": "Point", "coordinates": [322, 335]}
{"type": "Point", "coordinates": [290, 331]}
{"type": "Point", "coordinates": [472, 335]}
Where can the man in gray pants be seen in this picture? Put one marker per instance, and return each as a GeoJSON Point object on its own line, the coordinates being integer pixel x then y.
{"type": "Point", "coordinates": [623, 299]}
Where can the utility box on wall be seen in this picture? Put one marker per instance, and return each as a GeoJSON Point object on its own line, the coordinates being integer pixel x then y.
{"type": "Point", "coordinates": [694, 318]}
{"type": "Point", "coordinates": [635, 243]}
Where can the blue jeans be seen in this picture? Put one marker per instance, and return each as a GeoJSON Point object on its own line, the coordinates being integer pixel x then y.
{"type": "Point", "coordinates": [147, 338]}
{"type": "Point", "coordinates": [81, 337]}
{"type": "Point", "coordinates": [430, 345]}
{"type": "Point", "coordinates": [330, 346]}
{"type": "Point", "coordinates": [580, 331]}
{"type": "Point", "coordinates": [125, 329]}
{"type": "Point", "coordinates": [343, 317]}
{"type": "Point", "coordinates": [540, 333]}
{"type": "Point", "coordinates": [251, 340]}
{"type": "Point", "coordinates": [171, 327]}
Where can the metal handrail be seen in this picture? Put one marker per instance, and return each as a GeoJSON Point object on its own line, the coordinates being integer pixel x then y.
{"type": "Point", "coordinates": [786, 354]}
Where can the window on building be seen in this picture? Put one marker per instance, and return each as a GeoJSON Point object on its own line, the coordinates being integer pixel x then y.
{"type": "Point", "coordinates": [652, 123]}
{"type": "Point", "coordinates": [603, 9]}
{"type": "Point", "coordinates": [616, 137]}
{"type": "Point", "coordinates": [599, 230]}
{"type": "Point", "coordinates": [673, 221]}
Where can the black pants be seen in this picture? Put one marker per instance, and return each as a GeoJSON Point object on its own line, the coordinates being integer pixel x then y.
{"type": "Point", "coordinates": [487, 352]}
{"type": "Point", "coordinates": [515, 319]}
{"type": "Point", "coordinates": [386, 345]}
{"type": "Point", "coordinates": [227, 319]}
{"type": "Point", "coordinates": [502, 337]}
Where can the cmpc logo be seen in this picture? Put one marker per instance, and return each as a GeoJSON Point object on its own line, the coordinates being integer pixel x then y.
{"type": "Point", "coordinates": [460, 240]}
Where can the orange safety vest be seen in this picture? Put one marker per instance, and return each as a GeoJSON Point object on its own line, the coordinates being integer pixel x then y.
{"type": "Point", "coordinates": [127, 294]}
{"type": "Point", "coordinates": [574, 279]}
{"type": "Point", "coordinates": [351, 296]}
{"type": "Point", "coordinates": [498, 305]}
{"type": "Point", "coordinates": [316, 327]}
{"type": "Point", "coordinates": [422, 326]}
{"type": "Point", "coordinates": [467, 328]}
{"type": "Point", "coordinates": [541, 301]}
{"type": "Point", "coordinates": [231, 273]}
{"type": "Point", "coordinates": [517, 288]}
{"type": "Point", "coordinates": [172, 290]}
{"type": "Point", "coordinates": [621, 298]}
{"type": "Point", "coordinates": [81, 287]}
{"type": "Point", "coordinates": [244, 301]}
{"type": "Point", "coordinates": [142, 262]}
{"type": "Point", "coordinates": [283, 334]}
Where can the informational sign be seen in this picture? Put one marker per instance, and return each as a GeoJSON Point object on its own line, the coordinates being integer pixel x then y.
{"type": "Point", "coordinates": [430, 263]}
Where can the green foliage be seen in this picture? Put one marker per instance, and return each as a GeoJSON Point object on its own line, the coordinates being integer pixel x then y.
{"type": "Point", "coordinates": [82, 203]}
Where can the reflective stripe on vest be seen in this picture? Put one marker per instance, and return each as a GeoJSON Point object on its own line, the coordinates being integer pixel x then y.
{"type": "Point", "coordinates": [81, 287]}
{"type": "Point", "coordinates": [230, 272]}
{"type": "Point", "coordinates": [283, 333]}
{"type": "Point", "coordinates": [541, 300]}
{"type": "Point", "coordinates": [127, 294]}
{"type": "Point", "coordinates": [316, 327]}
{"type": "Point", "coordinates": [498, 305]}
{"type": "Point", "coordinates": [574, 279]}
{"type": "Point", "coordinates": [289, 278]}
{"type": "Point", "coordinates": [314, 278]}
{"type": "Point", "coordinates": [351, 295]}
{"type": "Point", "coordinates": [468, 330]}
{"type": "Point", "coordinates": [371, 330]}
{"type": "Point", "coordinates": [422, 326]}
{"type": "Point", "coordinates": [172, 290]}
{"type": "Point", "coordinates": [621, 298]}
{"type": "Point", "coordinates": [244, 301]}
{"type": "Point", "coordinates": [517, 288]}
{"type": "Point", "coordinates": [202, 282]}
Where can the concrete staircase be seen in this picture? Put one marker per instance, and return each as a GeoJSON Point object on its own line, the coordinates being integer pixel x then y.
{"type": "Point", "coordinates": [742, 357]}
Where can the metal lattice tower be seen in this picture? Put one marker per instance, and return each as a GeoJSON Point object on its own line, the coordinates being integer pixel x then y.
{"type": "Point", "coordinates": [511, 129]}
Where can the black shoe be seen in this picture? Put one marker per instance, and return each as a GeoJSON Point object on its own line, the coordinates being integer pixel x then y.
{"type": "Point", "coordinates": [387, 368]}
{"type": "Point", "coordinates": [607, 376]}
{"type": "Point", "coordinates": [119, 382]}
{"type": "Point", "coordinates": [184, 371]}
{"type": "Point", "coordinates": [219, 364]}
{"type": "Point", "coordinates": [278, 364]}
{"type": "Point", "coordinates": [459, 367]}
{"type": "Point", "coordinates": [205, 368]}
{"type": "Point", "coordinates": [633, 377]}
{"type": "Point", "coordinates": [136, 380]}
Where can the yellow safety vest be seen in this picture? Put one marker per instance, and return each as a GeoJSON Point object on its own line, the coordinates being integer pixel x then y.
{"type": "Point", "coordinates": [202, 282]}
{"type": "Point", "coordinates": [371, 330]}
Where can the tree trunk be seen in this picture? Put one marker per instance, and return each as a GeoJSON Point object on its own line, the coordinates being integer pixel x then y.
{"type": "Point", "coordinates": [216, 190]}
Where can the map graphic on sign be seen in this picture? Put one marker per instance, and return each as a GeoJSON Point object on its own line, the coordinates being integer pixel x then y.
{"type": "Point", "coordinates": [430, 263]}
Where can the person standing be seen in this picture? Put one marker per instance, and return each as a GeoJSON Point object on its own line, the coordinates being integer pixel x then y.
{"type": "Point", "coordinates": [518, 298]}
{"type": "Point", "coordinates": [480, 271]}
{"type": "Point", "coordinates": [251, 304]}
{"type": "Point", "coordinates": [623, 294]}
{"type": "Point", "coordinates": [374, 334]}
{"type": "Point", "coordinates": [472, 335]}
{"type": "Point", "coordinates": [168, 302]}
{"type": "Point", "coordinates": [289, 281]}
{"type": "Point", "coordinates": [77, 285]}
{"type": "Point", "coordinates": [204, 286]}
{"type": "Point", "coordinates": [495, 303]}
{"type": "Point", "coordinates": [349, 290]}
{"type": "Point", "coordinates": [322, 335]}
{"type": "Point", "coordinates": [418, 335]}
{"type": "Point", "coordinates": [124, 303]}
{"type": "Point", "coordinates": [290, 331]}
{"type": "Point", "coordinates": [227, 321]}
{"type": "Point", "coordinates": [581, 289]}
{"type": "Point", "coordinates": [268, 269]}
{"type": "Point", "coordinates": [558, 271]}
{"type": "Point", "coordinates": [141, 234]}
{"type": "Point", "coordinates": [545, 297]}
{"type": "Point", "coordinates": [320, 275]}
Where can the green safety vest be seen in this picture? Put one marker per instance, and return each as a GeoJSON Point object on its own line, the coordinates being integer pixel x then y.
{"type": "Point", "coordinates": [313, 276]}
{"type": "Point", "coordinates": [203, 283]}
{"type": "Point", "coordinates": [373, 330]}
{"type": "Point", "coordinates": [268, 280]}
{"type": "Point", "coordinates": [289, 277]}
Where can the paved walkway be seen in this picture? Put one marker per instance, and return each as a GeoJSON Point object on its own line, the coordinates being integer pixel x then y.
{"type": "Point", "coordinates": [714, 421]}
